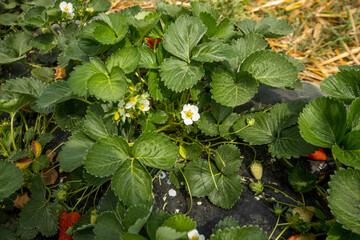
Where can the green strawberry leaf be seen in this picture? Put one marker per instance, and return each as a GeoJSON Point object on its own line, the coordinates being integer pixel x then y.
{"type": "Point", "coordinates": [74, 151]}
{"type": "Point", "coordinates": [44, 74]}
{"type": "Point", "coordinates": [230, 156]}
{"type": "Point", "coordinates": [349, 153]}
{"type": "Point", "coordinates": [273, 28]}
{"type": "Point", "coordinates": [212, 52]}
{"type": "Point", "coordinates": [135, 217]}
{"type": "Point", "coordinates": [108, 202]}
{"type": "Point", "coordinates": [243, 233]}
{"type": "Point", "coordinates": [344, 85]}
{"type": "Point", "coordinates": [109, 88]}
{"type": "Point", "coordinates": [179, 75]}
{"type": "Point", "coordinates": [175, 227]}
{"type": "Point", "coordinates": [354, 115]}
{"type": "Point", "coordinates": [79, 78]}
{"type": "Point", "coordinates": [11, 179]}
{"type": "Point", "coordinates": [36, 16]}
{"type": "Point", "coordinates": [170, 9]}
{"type": "Point", "coordinates": [228, 191]}
{"type": "Point", "coordinates": [99, 5]}
{"type": "Point", "coordinates": [44, 42]}
{"type": "Point", "coordinates": [263, 65]}
{"type": "Point", "coordinates": [224, 30]}
{"type": "Point", "coordinates": [337, 232]}
{"type": "Point", "coordinates": [156, 219]}
{"type": "Point", "coordinates": [344, 196]}
{"type": "Point", "coordinates": [245, 46]}
{"type": "Point", "coordinates": [19, 42]}
{"type": "Point", "coordinates": [199, 177]}
{"type": "Point", "coordinates": [323, 122]}
{"type": "Point", "coordinates": [199, 7]}
{"type": "Point", "coordinates": [106, 156]}
{"type": "Point", "coordinates": [182, 36]}
{"type": "Point", "coordinates": [289, 143]}
{"type": "Point", "coordinates": [95, 125]}
{"type": "Point", "coordinates": [24, 86]}
{"type": "Point", "coordinates": [227, 222]}
{"type": "Point", "coordinates": [246, 26]}
{"type": "Point", "coordinates": [148, 58]}
{"type": "Point", "coordinates": [108, 227]}
{"type": "Point", "coordinates": [144, 22]}
{"type": "Point", "coordinates": [132, 183]}
{"type": "Point", "coordinates": [207, 124]}
{"type": "Point", "coordinates": [155, 150]}
{"type": "Point", "coordinates": [56, 92]}
{"type": "Point", "coordinates": [154, 85]}
{"type": "Point", "coordinates": [126, 58]}
{"type": "Point", "coordinates": [232, 90]}
{"type": "Point", "coordinates": [301, 181]}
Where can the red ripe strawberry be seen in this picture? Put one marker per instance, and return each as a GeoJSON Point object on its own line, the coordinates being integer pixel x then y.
{"type": "Point", "coordinates": [67, 220]}
{"type": "Point", "coordinates": [318, 155]}
{"type": "Point", "coordinates": [301, 237]}
{"type": "Point", "coordinates": [151, 42]}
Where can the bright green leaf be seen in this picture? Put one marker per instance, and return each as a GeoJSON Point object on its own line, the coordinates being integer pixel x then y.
{"type": "Point", "coordinates": [11, 179]}
{"type": "Point", "coordinates": [126, 58]}
{"type": "Point", "coordinates": [227, 159]}
{"type": "Point", "coordinates": [212, 51]}
{"type": "Point", "coordinates": [349, 153]}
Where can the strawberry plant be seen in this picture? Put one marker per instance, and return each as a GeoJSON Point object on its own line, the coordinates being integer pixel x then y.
{"type": "Point", "coordinates": [143, 92]}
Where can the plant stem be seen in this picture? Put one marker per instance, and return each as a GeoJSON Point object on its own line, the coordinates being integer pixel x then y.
{"type": "Point", "coordinates": [283, 203]}
{"type": "Point", "coordinates": [282, 232]}
{"type": "Point", "coordinates": [31, 64]}
{"type": "Point", "coordinates": [12, 116]}
{"type": "Point", "coordinates": [287, 162]}
{"type": "Point", "coordinates": [187, 184]}
{"type": "Point", "coordinates": [287, 196]}
{"type": "Point", "coordinates": [338, 165]}
{"type": "Point", "coordinates": [277, 222]}
{"type": "Point", "coordinates": [84, 100]}
{"type": "Point", "coordinates": [24, 121]}
{"type": "Point", "coordinates": [6, 152]}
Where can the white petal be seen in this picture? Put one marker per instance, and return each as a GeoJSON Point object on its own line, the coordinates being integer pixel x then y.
{"type": "Point", "coordinates": [183, 115]}
{"type": "Point", "coordinates": [62, 5]}
{"type": "Point", "coordinates": [201, 237]}
{"type": "Point", "coordinates": [194, 109]}
{"type": "Point", "coordinates": [196, 116]}
{"type": "Point", "coordinates": [145, 102]}
{"type": "Point", "coordinates": [186, 107]}
{"type": "Point", "coordinates": [127, 114]}
{"type": "Point", "coordinates": [188, 121]}
{"type": "Point", "coordinates": [129, 105]}
{"type": "Point", "coordinates": [192, 233]}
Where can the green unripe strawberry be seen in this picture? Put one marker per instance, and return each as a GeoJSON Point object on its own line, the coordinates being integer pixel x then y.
{"type": "Point", "coordinates": [61, 195]}
{"type": "Point", "coordinates": [93, 217]}
{"type": "Point", "coordinates": [257, 188]}
{"type": "Point", "coordinates": [256, 170]}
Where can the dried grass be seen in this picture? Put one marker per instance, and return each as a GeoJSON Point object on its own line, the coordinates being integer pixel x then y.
{"type": "Point", "coordinates": [326, 31]}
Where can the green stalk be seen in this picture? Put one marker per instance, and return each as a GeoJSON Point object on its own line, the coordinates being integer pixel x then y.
{"type": "Point", "coordinates": [187, 184]}
{"type": "Point", "coordinates": [287, 162]}
{"type": "Point", "coordinates": [277, 222]}
{"type": "Point", "coordinates": [287, 196]}
{"type": "Point", "coordinates": [282, 232]}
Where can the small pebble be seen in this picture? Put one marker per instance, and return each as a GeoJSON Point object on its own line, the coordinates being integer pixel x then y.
{"type": "Point", "coordinates": [177, 210]}
{"type": "Point", "coordinates": [168, 182]}
{"type": "Point", "coordinates": [172, 193]}
{"type": "Point", "coordinates": [257, 198]}
{"type": "Point", "coordinates": [162, 175]}
{"type": "Point", "coordinates": [199, 203]}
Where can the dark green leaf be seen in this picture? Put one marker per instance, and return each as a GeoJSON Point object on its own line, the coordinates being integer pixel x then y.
{"type": "Point", "coordinates": [323, 122]}
{"type": "Point", "coordinates": [155, 150]}
{"type": "Point", "coordinates": [44, 42]}
{"type": "Point", "coordinates": [264, 67]}
{"type": "Point", "coordinates": [108, 227]}
{"type": "Point", "coordinates": [179, 75]}
{"type": "Point", "coordinates": [349, 153]}
{"type": "Point", "coordinates": [11, 179]}
{"type": "Point", "coordinates": [148, 58]}
{"type": "Point", "coordinates": [44, 74]}
{"type": "Point", "coordinates": [212, 51]}
{"type": "Point", "coordinates": [243, 233]}
{"type": "Point", "coordinates": [344, 195]}
{"type": "Point", "coordinates": [183, 35]}
{"type": "Point", "coordinates": [73, 153]}
{"type": "Point", "coordinates": [227, 158]}
{"type": "Point", "coordinates": [337, 232]}
{"type": "Point", "coordinates": [24, 86]}
{"type": "Point", "coordinates": [345, 85]}
{"type": "Point", "coordinates": [200, 178]}
{"type": "Point", "coordinates": [207, 124]}
{"type": "Point", "coordinates": [273, 28]}
{"type": "Point", "coordinates": [227, 222]}
{"type": "Point", "coordinates": [106, 156]}
{"type": "Point", "coordinates": [232, 90]}
{"type": "Point", "coordinates": [55, 93]}
{"type": "Point", "coordinates": [301, 181]}
{"type": "Point", "coordinates": [354, 115]}
{"type": "Point", "coordinates": [132, 183]}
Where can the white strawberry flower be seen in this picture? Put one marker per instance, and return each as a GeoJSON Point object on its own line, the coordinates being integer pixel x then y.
{"type": "Point", "coordinates": [70, 15]}
{"type": "Point", "coordinates": [89, 9]}
{"type": "Point", "coordinates": [132, 101]}
{"type": "Point", "coordinates": [66, 7]}
{"type": "Point", "coordinates": [190, 114]}
{"type": "Point", "coordinates": [107, 107]}
{"type": "Point", "coordinates": [194, 235]}
{"type": "Point", "coordinates": [144, 105]}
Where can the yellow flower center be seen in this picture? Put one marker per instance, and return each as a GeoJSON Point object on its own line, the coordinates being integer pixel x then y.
{"type": "Point", "coordinates": [194, 238]}
{"type": "Point", "coordinates": [133, 100]}
{"type": "Point", "coordinates": [142, 106]}
{"type": "Point", "coordinates": [69, 15]}
{"type": "Point", "coordinates": [66, 9]}
{"type": "Point", "coordinates": [189, 114]}
{"type": "Point", "coordinates": [90, 10]}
